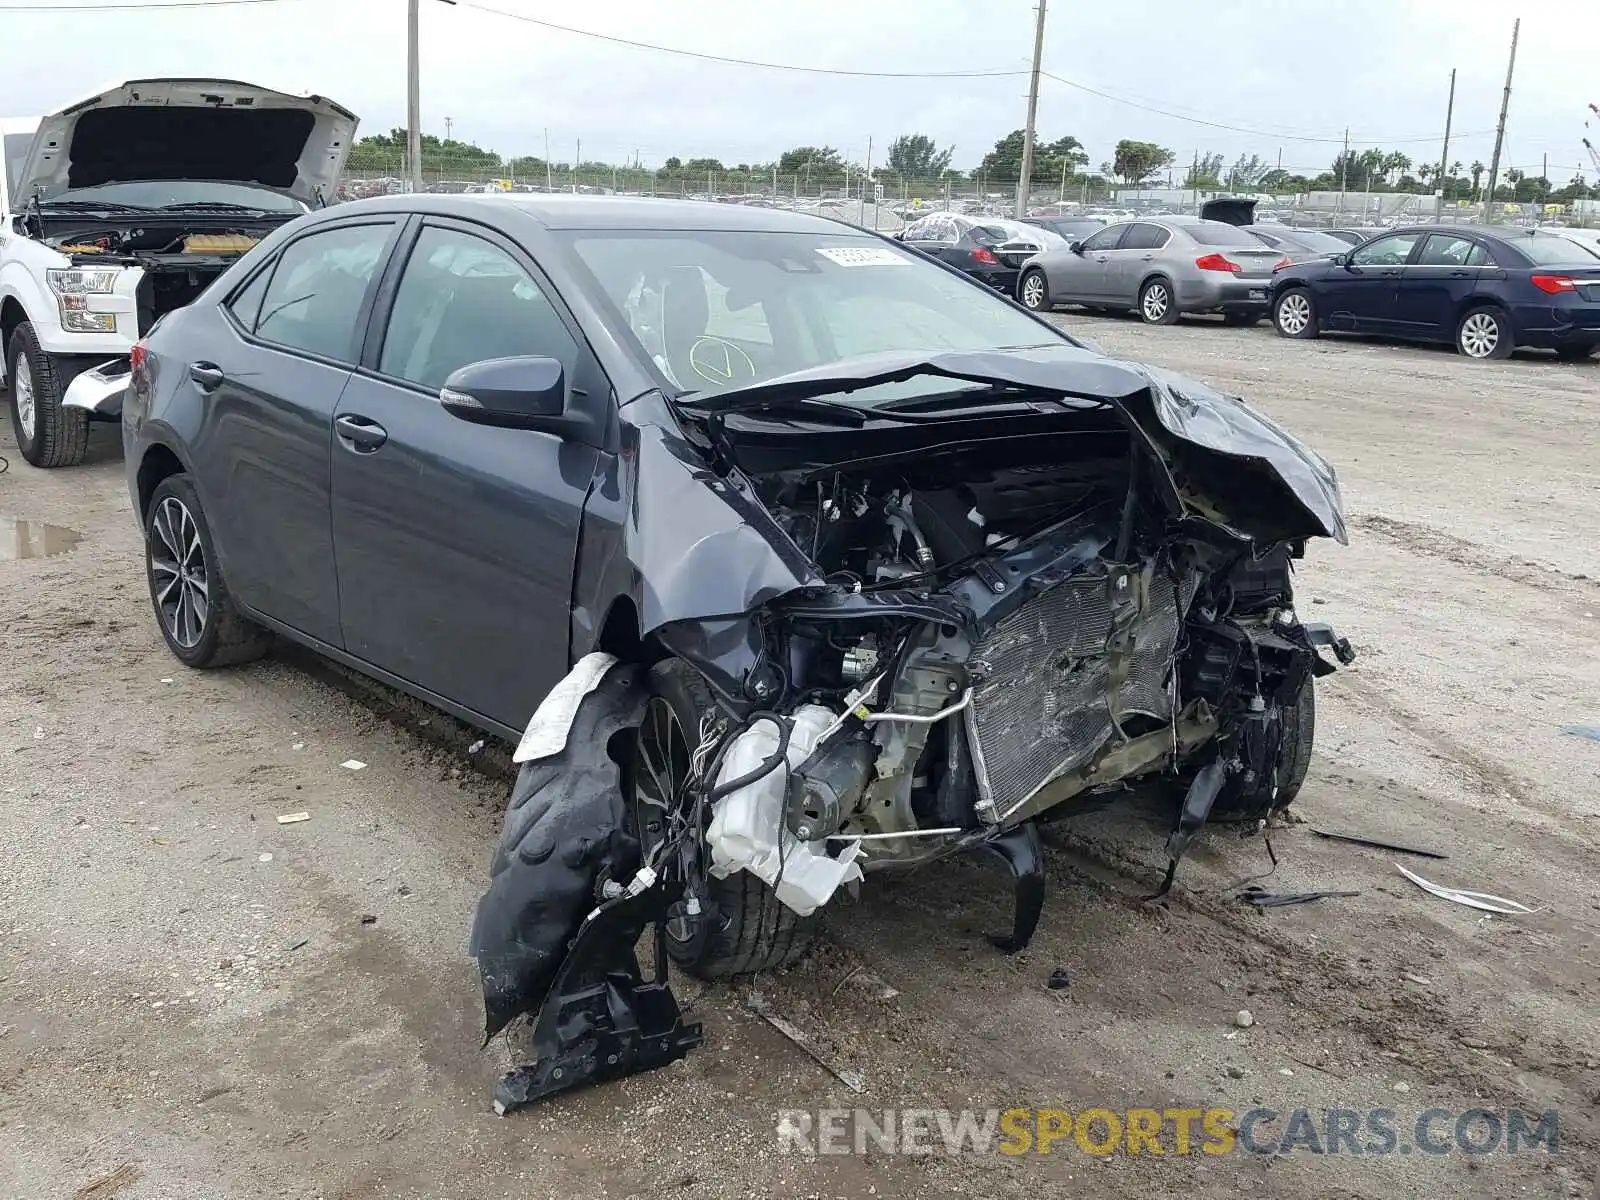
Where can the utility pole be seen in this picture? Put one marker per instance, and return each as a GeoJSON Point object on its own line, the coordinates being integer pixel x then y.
{"type": "Point", "coordinates": [1500, 130]}
{"type": "Point", "coordinates": [861, 215]}
{"type": "Point", "coordinates": [549, 181]}
{"type": "Point", "coordinates": [1449, 113]}
{"type": "Point", "coordinates": [1344, 167]}
{"type": "Point", "coordinates": [1033, 112]}
{"type": "Point", "coordinates": [1062, 194]}
{"type": "Point", "coordinates": [577, 157]}
{"type": "Point", "coordinates": [413, 94]}
{"type": "Point", "coordinates": [1194, 180]}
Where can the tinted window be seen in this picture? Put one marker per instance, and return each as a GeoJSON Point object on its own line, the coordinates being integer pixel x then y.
{"type": "Point", "coordinates": [462, 300]}
{"type": "Point", "coordinates": [1106, 239]}
{"type": "Point", "coordinates": [316, 292]}
{"type": "Point", "coordinates": [246, 304]}
{"type": "Point", "coordinates": [1215, 233]}
{"type": "Point", "coordinates": [1389, 251]}
{"type": "Point", "coordinates": [1277, 243]}
{"type": "Point", "coordinates": [1146, 237]}
{"type": "Point", "coordinates": [1553, 252]}
{"type": "Point", "coordinates": [1450, 250]}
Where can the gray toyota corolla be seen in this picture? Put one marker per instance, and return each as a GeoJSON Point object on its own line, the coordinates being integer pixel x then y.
{"type": "Point", "coordinates": [786, 555]}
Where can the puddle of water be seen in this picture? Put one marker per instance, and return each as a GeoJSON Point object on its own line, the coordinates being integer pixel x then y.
{"type": "Point", "coordinates": [34, 539]}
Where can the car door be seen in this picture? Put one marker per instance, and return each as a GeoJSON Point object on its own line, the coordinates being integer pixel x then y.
{"type": "Point", "coordinates": [455, 542]}
{"type": "Point", "coordinates": [1362, 296]}
{"type": "Point", "coordinates": [1127, 265]}
{"type": "Point", "coordinates": [262, 452]}
{"type": "Point", "coordinates": [1080, 276]}
{"type": "Point", "coordinates": [1443, 274]}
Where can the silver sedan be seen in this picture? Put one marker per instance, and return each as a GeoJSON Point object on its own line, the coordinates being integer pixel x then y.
{"type": "Point", "coordinates": [1161, 268]}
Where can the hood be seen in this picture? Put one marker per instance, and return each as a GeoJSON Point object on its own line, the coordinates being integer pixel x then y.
{"type": "Point", "coordinates": [210, 129]}
{"type": "Point", "coordinates": [1230, 210]}
{"type": "Point", "coordinates": [1151, 398]}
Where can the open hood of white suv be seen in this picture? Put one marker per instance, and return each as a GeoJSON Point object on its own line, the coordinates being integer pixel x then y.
{"type": "Point", "coordinates": [210, 129]}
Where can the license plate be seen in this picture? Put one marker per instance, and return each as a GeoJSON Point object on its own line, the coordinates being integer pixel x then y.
{"type": "Point", "coordinates": [1258, 293]}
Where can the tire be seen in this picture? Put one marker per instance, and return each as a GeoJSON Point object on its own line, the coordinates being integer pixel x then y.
{"type": "Point", "coordinates": [1484, 333]}
{"type": "Point", "coordinates": [202, 627]}
{"type": "Point", "coordinates": [754, 931]}
{"type": "Point", "coordinates": [1294, 314]}
{"type": "Point", "coordinates": [1033, 291]}
{"type": "Point", "coordinates": [1294, 761]}
{"type": "Point", "coordinates": [48, 435]}
{"type": "Point", "coordinates": [1240, 320]}
{"type": "Point", "coordinates": [1157, 304]}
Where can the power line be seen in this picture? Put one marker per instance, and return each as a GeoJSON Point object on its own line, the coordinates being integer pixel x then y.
{"type": "Point", "coordinates": [58, 9]}
{"type": "Point", "coordinates": [1265, 133]}
{"type": "Point", "coordinates": [731, 61]}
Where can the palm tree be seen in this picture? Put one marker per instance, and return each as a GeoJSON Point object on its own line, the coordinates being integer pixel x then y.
{"type": "Point", "coordinates": [1477, 173]}
{"type": "Point", "coordinates": [1395, 164]}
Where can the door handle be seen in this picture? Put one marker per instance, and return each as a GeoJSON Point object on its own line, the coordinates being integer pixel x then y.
{"type": "Point", "coordinates": [1459, 274]}
{"type": "Point", "coordinates": [208, 377]}
{"type": "Point", "coordinates": [1100, 258]}
{"type": "Point", "coordinates": [360, 433]}
{"type": "Point", "coordinates": [1147, 258]}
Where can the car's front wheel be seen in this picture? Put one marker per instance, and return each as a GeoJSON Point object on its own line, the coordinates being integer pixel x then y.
{"type": "Point", "coordinates": [193, 607]}
{"type": "Point", "coordinates": [1294, 315]}
{"type": "Point", "coordinates": [743, 926]}
{"type": "Point", "coordinates": [48, 435]}
{"type": "Point", "coordinates": [1157, 306]}
{"type": "Point", "coordinates": [1485, 333]}
{"type": "Point", "coordinates": [1034, 292]}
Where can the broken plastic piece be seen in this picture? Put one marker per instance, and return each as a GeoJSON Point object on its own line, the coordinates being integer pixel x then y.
{"type": "Point", "coordinates": [748, 831]}
{"type": "Point", "coordinates": [1262, 898]}
{"type": "Point", "coordinates": [1021, 850]}
{"type": "Point", "coordinates": [293, 818]}
{"type": "Point", "coordinates": [1377, 843]}
{"type": "Point", "coordinates": [1481, 900]}
{"type": "Point", "coordinates": [552, 720]}
{"type": "Point", "coordinates": [353, 764]}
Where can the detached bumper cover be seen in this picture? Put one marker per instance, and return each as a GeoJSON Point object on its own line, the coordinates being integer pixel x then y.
{"type": "Point", "coordinates": [100, 389]}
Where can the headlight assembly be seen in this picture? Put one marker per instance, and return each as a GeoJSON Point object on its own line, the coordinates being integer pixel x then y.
{"type": "Point", "coordinates": [72, 288]}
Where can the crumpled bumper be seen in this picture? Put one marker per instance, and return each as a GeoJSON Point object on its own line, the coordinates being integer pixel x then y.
{"type": "Point", "coordinates": [100, 390]}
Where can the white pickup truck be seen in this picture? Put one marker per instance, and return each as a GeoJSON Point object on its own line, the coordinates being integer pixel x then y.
{"type": "Point", "coordinates": [126, 206]}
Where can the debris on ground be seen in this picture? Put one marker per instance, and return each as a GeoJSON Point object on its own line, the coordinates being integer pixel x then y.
{"type": "Point", "coordinates": [1244, 1018]}
{"type": "Point", "coordinates": [293, 818]}
{"type": "Point", "coordinates": [1376, 843]}
{"type": "Point", "coordinates": [265, 858]}
{"type": "Point", "coordinates": [1058, 979]}
{"type": "Point", "coordinates": [1481, 900]}
{"type": "Point", "coordinates": [476, 746]}
{"type": "Point", "coordinates": [353, 764]}
{"type": "Point", "coordinates": [1592, 732]}
{"type": "Point", "coordinates": [1261, 898]}
{"type": "Point", "coordinates": [369, 918]}
{"type": "Point", "coordinates": [851, 1079]}
{"type": "Point", "coordinates": [866, 981]}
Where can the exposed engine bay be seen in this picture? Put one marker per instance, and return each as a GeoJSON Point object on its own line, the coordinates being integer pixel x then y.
{"type": "Point", "coordinates": [1000, 618]}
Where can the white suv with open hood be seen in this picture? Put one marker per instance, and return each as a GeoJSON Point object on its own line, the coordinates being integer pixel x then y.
{"type": "Point", "coordinates": [126, 206]}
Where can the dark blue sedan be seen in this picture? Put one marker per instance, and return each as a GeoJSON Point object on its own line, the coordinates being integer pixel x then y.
{"type": "Point", "coordinates": [1489, 291]}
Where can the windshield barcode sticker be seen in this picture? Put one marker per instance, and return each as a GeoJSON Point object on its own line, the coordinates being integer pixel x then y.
{"type": "Point", "coordinates": [863, 256]}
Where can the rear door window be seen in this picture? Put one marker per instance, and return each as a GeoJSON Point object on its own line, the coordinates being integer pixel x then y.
{"type": "Point", "coordinates": [1145, 237]}
{"type": "Point", "coordinates": [1450, 250]}
{"type": "Point", "coordinates": [318, 290]}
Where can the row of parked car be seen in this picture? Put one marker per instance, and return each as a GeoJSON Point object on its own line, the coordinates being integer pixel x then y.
{"type": "Point", "coordinates": [1487, 290]}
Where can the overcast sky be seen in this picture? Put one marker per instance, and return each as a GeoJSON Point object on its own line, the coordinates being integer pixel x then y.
{"type": "Point", "coordinates": [1283, 67]}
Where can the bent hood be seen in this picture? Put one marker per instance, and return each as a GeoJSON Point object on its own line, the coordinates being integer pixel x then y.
{"type": "Point", "coordinates": [210, 129]}
{"type": "Point", "coordinates": [1186, 409]}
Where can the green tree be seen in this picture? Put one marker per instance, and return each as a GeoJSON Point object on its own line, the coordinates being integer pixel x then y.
{"type": "Point", "coordinates": [1246, 172]}
{"type": "Point", "coordinates": [814, 162]}
{"type": "Point", "coordinates": [1477, 174]}
{"type": "Point", "coordinates": [1135, 162]}
{"type": "Point", "coordinates": [386, 152]}
{"type": "Point", "coordinates": [915, 156]}
{"type": "Point", "coordinates": [1204, 172]}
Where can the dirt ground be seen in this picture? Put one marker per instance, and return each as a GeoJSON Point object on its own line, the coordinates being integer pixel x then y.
{"type": "Point", "coordinates": [194, 1002]}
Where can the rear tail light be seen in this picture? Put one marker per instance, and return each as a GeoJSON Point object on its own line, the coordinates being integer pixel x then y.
{"type": "Point", "coordinates": [986, 257]}
{"type": "Point", "coordinates": [1555, 283]}
{"type": "Point", "coordinates": [1283, 262]}
{"type": "Point", "coordinates": [1215, 262]}
{"type": "Point", "coordinates": [137, 356]}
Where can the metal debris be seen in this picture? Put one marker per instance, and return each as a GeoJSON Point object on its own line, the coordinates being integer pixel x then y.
{"type": "Point", "coordinates": [1376, 843]}
{"type": "Point", "coordinates": [851, 1079]}
{"type": "Point", "coordinates": [1482, 900]}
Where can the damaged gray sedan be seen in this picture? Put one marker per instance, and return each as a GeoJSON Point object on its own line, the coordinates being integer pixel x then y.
{"type": "Point", "coordinates": [810, 559]}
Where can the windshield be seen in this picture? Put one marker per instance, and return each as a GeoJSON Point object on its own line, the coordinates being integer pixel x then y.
{"type": "Point", "coordinates": [1553, 251]}
{"type": "Point", "coordinates": [173, 193]}
{"type": "Point", "coordinates": [719, 309]}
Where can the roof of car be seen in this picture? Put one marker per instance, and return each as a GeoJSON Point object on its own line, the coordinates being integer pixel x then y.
{"type": "Point", "coordinates": [614, 212]}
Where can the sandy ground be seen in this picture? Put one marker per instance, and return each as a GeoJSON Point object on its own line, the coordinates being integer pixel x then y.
{"type": "Point", "coordinates": [194, 1004]}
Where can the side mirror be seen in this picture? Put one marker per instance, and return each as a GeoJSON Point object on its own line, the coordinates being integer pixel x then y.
{"type": "Point", "coordinates": [1340, 260]}
{"type": "Point", "coordinates": [527, 392]}
{"type": "Point", "coordinates": [1076, 247]}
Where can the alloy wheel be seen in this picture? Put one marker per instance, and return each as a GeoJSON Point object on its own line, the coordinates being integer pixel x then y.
{"type": "Point", "coordinates": [1033, 291]}
{"type": "Point", "coordinates": [1480, 334]}
{"type": "Point", "coordinates": [661, 797]}
{"type": "Point", "coordinates": [1294, 313]}
{"type": "Point", "coordinates": [178, 573]}
{"type": "Point", "coordinates": [23, 384]}
{"type": "Point", "coordinates": [1156, 302]}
